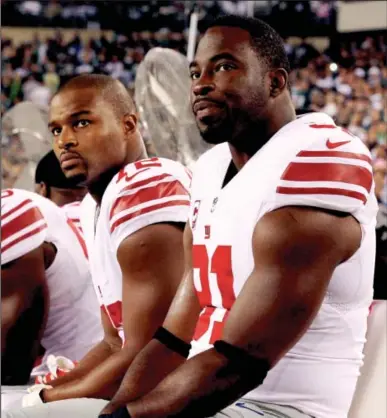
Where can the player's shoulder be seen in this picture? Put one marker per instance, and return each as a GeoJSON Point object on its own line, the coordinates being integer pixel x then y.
{"type": "Point", "coordinates": [325, 166]}
{"type": "Point", "coordinates": [318, 132]}
{"type": "Point", "coordinates": [23, 224]}
{"type": "Point", "coordinates": [17, 200]}
{"type": "Point", "coordinates": [145, 192]}
{"type": "Point", "coordinates": [145, 173]}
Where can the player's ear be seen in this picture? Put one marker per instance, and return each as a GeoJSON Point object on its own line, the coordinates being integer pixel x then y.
{"type": "Point", "coordinates": [130, 123]}
{"type": "Point", "coordinates": [279, 81]}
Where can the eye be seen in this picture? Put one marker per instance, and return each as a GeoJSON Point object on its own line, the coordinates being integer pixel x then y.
{"type": "Point", "coordinates": [55, 131]}
{"type": "Point", "coordinates": [81, 123]}
{"type": "Point", "coordinates": [225, 67]}
{"type": "Point", "coordinates": [194, 75]}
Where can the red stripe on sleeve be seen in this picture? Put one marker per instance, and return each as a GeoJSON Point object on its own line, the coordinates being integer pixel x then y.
{"type": "Point", "coordinates": [29, 217]}
{"type": "Point", "coordinates": [345, 173]}
{"type": "Point", "coordinates": [145, 182]}
{"type": "Point", "coordinates": [317, 126]}
{"type": "Point", "coordinates": [13, 210]}
{"type": "Point", "coordinates": [321, 190]}
{"type": "Point", "coordinates": [23, 237]}
{"type": "Point", "coordinates": [161, 190]}
{"type": "Point", "coordinates": [147, 210]}
{"type": "Point", "coordinates": [338, 154]}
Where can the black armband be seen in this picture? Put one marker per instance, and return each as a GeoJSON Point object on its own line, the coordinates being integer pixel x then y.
{"type": "Point", "coordinates": [242, 362]}
{"type": "Point", "coordinates": [118, 413]}
{"type": "Point", "coordinates": [172, 342]}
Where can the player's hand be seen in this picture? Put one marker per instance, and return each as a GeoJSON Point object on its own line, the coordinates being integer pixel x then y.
{"type": "Point", "coordinates": [34, 397]}
{"type": "Point", "coordinates": [57, 366]}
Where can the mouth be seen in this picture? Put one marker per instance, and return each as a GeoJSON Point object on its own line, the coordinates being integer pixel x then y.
{"type": "Point", "coordinates": [204, 109]}
{"type": "Point", "coordinates": [69, 160]}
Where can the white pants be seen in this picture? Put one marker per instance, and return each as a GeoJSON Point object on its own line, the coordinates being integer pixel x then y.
{"type": "Point", "coordinates": [11, 396]}
{"type": "Point", "coordinates": [91, 408]}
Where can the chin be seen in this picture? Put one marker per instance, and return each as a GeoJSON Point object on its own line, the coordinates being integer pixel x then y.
{"type": "Point", "coordinates": [216, 134]}
{"type": "Point", "coordinates": [76, 177]}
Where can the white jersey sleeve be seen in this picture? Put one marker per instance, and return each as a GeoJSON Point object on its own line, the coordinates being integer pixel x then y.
{"type": "Point", "coordinates": [149, 191]}
{"type": "Point", "coordinates": [333, 172]}
{"type": "Point", "coordinates": [23, 227]}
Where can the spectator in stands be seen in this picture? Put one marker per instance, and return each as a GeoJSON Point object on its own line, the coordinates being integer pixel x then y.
{"type": "Point", "coordinates": [37, 92]}
{"type": "Point", "coordinates": [51, 78]}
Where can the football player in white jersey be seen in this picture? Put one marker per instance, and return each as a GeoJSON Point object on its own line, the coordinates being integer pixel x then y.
{"type": "Point", "coordinates": [132, 219]}
{"type": "Point", "coordinates": [280, 251]}
{"type": "Point", "coordinates": [51, 183]}
{"type": "Point", "coordinates": [47, 296]}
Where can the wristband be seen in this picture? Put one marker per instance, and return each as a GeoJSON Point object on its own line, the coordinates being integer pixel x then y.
{"type": "Point", "coordinates": [118, 413]}
{"type": "Point", "coordinates": [32, 399]}
{"type": "Point", "coordinates": [172, 342]}
{"type": "Point", "coordinates": [243, 362]}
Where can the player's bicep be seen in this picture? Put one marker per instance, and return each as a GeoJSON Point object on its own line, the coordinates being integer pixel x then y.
{"type": "Point", "coordinates": [295, 253]}
{"type": "Point", "coordinates": [185, 309]}
{"type": "Point", "coordinates": [152, 265]}
{"type": "Point", "coordinates": [21, 280]}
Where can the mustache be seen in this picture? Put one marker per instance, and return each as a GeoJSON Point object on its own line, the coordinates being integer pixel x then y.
{"type": "Point", "coordinates": [202, 102]}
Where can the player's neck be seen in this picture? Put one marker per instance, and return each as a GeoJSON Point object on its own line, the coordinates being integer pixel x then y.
{"type": "Point", "coordinates": [257, 135]}
{"type": "Point", "coordinates": [239, 158]}
{"type": "Point", "coordinates": [98, 188]}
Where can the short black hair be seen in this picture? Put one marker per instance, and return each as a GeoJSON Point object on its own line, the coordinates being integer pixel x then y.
{"type": "Point", "coordinates": [49, 172]}
{"type": "Point", "coordinates": [267, 43]}
{"type": "Point", "coordinates": [111, 89]}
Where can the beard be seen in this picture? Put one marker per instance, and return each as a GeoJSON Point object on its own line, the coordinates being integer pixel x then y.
{"type": "Point", "coordinates": [216, 131]}
{"type": "Point", "coordinates": [241, 132]}
{"type": "Point", "coordinates": [78, 180]}
{"type": "Point", "coordinates": [216, 134]}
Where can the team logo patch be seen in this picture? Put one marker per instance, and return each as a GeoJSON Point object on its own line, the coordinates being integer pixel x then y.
{"type": "Point", "coordinates": [195, 213]}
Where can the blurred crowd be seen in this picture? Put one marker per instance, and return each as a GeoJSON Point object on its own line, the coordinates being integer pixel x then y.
{"type": "Point", "coordinates": [173, 14]}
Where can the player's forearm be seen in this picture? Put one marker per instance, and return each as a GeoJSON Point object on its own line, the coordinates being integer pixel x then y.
{"type": "Point", "coordinates": [97, 355]}
{"type": "Point", "coordinates": [148, 369]}
{"type": "Point", "coordinates": [200, 387]}
{"type": "Point", "coordinates": [101, 382]}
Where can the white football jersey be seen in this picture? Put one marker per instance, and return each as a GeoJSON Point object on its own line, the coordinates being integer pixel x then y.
{"type": "Point", "coordinates": [74, 322]}
{"type": "Point", "coordinates": [143, 193]}
{"type": "Point", "coordinates": [72, 211]}
{"type": "Point", "coordinates": [309, 162]}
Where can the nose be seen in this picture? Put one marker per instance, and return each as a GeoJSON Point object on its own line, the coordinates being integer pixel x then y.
{"type": "Point", "coordinates": [67, 139]}
{"type": "Point", "coordinates": [203, 85]}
